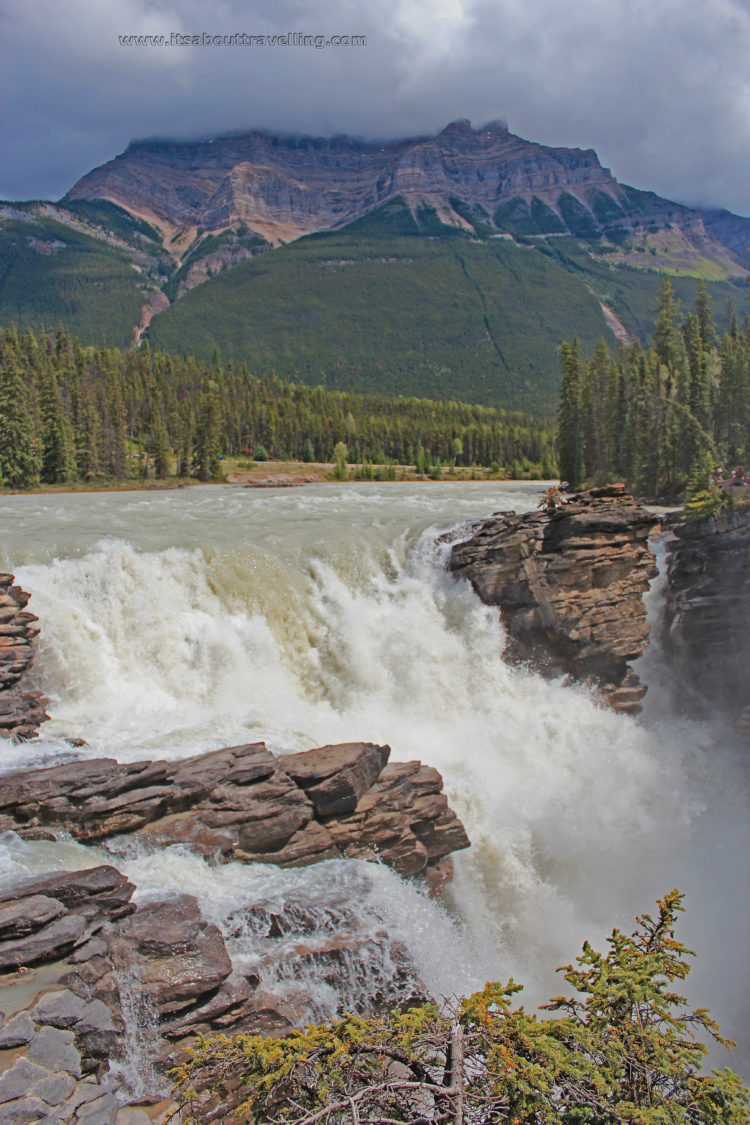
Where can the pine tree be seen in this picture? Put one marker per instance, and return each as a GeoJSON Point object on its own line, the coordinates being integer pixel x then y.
{"type": "Point", "coordinates": [18, 458]}
{"type": "Point", "coordinates": [666, 335]}
{"type": "Point", "coordinates": [115, 431]}
{"type": "Point", "coordinates": [569, 426]}
{"type": "Point", "coordinates": [703, 309]}
{"type": "Point", "coordinates": [205, 458]}
{"type": "Point", "coordinates": [58, 456]}
{"type": "Point", "coordinates": [160, 448]}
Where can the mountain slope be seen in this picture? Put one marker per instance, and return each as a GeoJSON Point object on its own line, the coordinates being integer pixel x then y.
{"type": "Point", "coordinates": [451, 265]}
{"type": "Point", "coordinates": [90, 267]}
{"type": "Point", "coordinates": [397, 303]}
{"type": "Point", "coordinates": [284, 187]}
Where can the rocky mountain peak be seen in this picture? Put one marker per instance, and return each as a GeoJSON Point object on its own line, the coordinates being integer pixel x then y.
{"type": "Point", "coordinates": [282, 186]}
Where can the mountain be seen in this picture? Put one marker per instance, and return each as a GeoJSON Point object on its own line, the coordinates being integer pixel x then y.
{"type": "Point", "coordinates": [451, 265]}
{"type": "Point", "coordinates": [285, 187]}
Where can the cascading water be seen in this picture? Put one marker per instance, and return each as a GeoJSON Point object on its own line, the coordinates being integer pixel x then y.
{"type": "Point", "coordinates": [179, 622]}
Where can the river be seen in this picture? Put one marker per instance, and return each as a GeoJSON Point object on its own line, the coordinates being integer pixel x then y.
{"type": "Point", "coordinates": [180, 621]}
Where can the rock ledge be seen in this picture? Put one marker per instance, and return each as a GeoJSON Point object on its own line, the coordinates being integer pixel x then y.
{"type": "Point", "coordinates": [569, 583]}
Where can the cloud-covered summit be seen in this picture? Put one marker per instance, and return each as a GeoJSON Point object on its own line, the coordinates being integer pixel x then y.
{"type": "Point", "coordinates": [661, 90]}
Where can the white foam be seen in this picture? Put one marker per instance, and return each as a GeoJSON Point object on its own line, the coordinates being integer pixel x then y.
{"type": "Point", "coordinates": [326, 617]}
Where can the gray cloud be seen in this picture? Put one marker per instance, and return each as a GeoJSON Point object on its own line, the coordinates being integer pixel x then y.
{"type": "Point", "coordinates": [660, 89]}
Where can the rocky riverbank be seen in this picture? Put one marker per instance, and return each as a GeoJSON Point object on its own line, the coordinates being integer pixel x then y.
{"type": "Point", "coordinates": [83, 970]}
{"type": "Point", "coordinates": [569, 582]}
{"type": "Point", "coordinates": [21, 709]}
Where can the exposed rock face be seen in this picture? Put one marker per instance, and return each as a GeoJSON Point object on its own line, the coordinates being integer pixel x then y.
{"type": "Point", "coordinates": [21, 712]}
{"type": "Point", "coordinates": [570, 586]}
{"type": "Point", "coordinates": [707, 615]}
{"type": "Point", "coordinates": [243, 803]}
{"type": "Point", "coordinates": [282, 187]}
{"type": "Point", "coordinates": [162, 972]}
{"type": "Point", "coordinates": [46, 918]}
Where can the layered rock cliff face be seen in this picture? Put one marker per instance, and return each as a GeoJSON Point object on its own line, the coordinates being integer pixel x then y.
{"type": "Point", "coordinates": [21, 711]}
{"type": "Point", "coordinates": [707, 615]}
{"type": "Point", "coordinates": [569, 584]}
{"type": "Point", "coordinates": [282, 187]}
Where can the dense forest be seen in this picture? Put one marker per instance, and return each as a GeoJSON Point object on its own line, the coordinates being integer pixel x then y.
{"type": "Point", "coordinates": [661, 418]}
{"type": "Point", "coordinates": [70, 413]}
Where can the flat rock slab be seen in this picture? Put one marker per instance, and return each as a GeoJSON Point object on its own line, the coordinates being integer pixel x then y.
{"type": "Point", "coordinates": [237, 803]}
{"type": "Point", "coordinates": [54, 1049]}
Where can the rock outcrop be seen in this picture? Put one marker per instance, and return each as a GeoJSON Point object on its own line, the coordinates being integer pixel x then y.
{"type": "Point", "coordinates": [569, 584]}
{"type": "Point", "coordinates": [55, 935]}
{"type": "Point", "coordinates": [245, 804]}
{"type": "Point", "coordinates": [283, 187]}
{"type": "Point", "coordinates": [21, 711]}
{"type": "Point", "coordinates": [707, 614]}
{"type": "Point", "coordinates": [103, 979]}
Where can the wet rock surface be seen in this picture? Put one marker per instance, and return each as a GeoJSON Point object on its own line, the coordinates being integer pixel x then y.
{"type": "Point", "coordinates": [21, 709]}
{"type": "Point", "coordinates": [103, 977]}
{"type": "Point", "coordinates": [148, 978]}
{"type": "Point", "coordinates": [243, 803]}
{"type": "Point", "coordinates": [569, 583]}
{"type": "Point", "coordinates": [707, 613]}
{"type": "Point", "coordinates": [56, 1050]}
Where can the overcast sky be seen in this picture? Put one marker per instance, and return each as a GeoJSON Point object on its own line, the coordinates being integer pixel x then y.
{"type": "Point", "coordinates": [661, 89]}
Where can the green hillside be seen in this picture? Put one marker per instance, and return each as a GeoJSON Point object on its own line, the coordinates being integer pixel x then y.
{"type": "Point", "coordinates": [395, 303]}
{"type": "Point", "coordinates": [632, 293]}
{"type": "Point", "coordinates": [51, 273]}
{"type": "Point", "coordinates": [390, 305]}
{"type": "Point", "coordinates": [401, 304]}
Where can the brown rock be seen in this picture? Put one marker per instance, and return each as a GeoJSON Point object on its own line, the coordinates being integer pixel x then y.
{"type": "Point", "coordinates": [179, 959]}
{"type": "Point", "coordinates": [243, 803]}
{"type": "Point", "coordinates": [569, 584]}
{"type": "Point", "coordinates": [21, 711]}
{"type": "Point", "coordinates": [335, 777]}
{"type": "Point", "coordinates": [46, 918]}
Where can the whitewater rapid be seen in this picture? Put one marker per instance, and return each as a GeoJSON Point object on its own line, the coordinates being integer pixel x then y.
{"type": "Point", "coordinates": [178, 622]}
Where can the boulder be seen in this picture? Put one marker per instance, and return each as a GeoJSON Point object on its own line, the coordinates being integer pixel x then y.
{"type": "Point", "coordinates": [176, 957]}
{"type": "Point", "coordinates": [335, 777]}
{"type": "Point", "coordinates": [45, 918]}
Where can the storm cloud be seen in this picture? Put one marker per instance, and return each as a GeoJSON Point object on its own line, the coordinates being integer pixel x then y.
{"type": "Point", "coordinates": [661, 90]}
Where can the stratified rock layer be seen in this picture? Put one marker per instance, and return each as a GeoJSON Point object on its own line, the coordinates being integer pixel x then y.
{"type": "Point", "coordinates": [707, 612]}
{"type": "Point", "coordinates": [21, 711]}
{"type": "Point", "coordinates": [283, 187]}
{"type": "Point", "coordinates": [97, 970]}
{"type": "Point", "coordinates": [570, 585]}
{"type": "Point", "coordinates": [243, 803]}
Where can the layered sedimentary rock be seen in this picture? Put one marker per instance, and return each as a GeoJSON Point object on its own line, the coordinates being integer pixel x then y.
{"type": "Point", "coordinates": [569, 583]}
{"type": "Point", "coordinates": [21, 711]}
{"type": "Point", "coordinates": [282, 187]}
{"type": "Point", "coordinates": [160, 970]}
{"type": "Point", "coordinates": [707, 614]}
{"type": "Point", "coordinates": [243, 803]}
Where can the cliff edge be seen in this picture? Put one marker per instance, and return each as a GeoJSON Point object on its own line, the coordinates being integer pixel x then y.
{"type": "Point", "coordinates": [569, 583]}
{"type": "Point", "coordinates": [707, 613]}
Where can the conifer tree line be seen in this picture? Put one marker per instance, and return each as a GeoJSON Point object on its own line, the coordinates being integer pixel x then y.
{"type": "Point", "coordinates": [69, 413]}
{"type": "Point", "coordinates": [659, 418]}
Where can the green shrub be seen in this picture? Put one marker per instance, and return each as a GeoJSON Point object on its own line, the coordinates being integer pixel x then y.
{"type": "Point", "coordinates": [624, 1050]}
